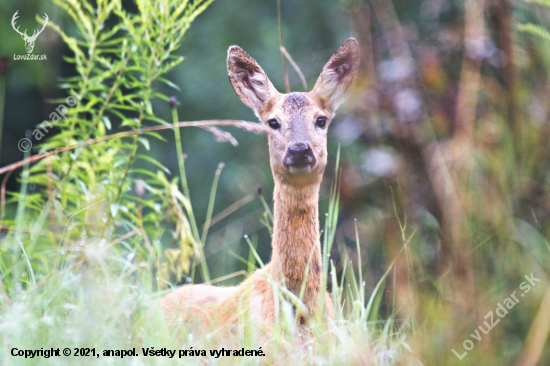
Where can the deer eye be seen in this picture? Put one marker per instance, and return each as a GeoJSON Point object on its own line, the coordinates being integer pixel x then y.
{"type": "Point", "coordinates": [273, 124]}
{"type": "Point", "coordinates": [321, 122]}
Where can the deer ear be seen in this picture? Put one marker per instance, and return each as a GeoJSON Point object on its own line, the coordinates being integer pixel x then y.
{"type": "Point", "coordinates": [338, 74]}
{"type": "Point", "coordinates": [248, 79]}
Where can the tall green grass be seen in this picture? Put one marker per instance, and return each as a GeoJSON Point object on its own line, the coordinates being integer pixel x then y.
{"type": "Point", "coordinates": [108, 303]}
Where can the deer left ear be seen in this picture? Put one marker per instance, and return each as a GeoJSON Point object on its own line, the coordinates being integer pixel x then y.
{"type": "Point", "coordinates": [248, 79]}
{"type": "Point", "coordinates": [338, 74]}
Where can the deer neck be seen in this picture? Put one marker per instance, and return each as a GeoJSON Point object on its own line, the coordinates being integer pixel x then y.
{"type": "Point", "coordinates": [296, 238]}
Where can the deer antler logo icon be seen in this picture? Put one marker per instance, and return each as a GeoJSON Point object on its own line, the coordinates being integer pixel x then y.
{"type": "Point", "coordinates": [29, 41]}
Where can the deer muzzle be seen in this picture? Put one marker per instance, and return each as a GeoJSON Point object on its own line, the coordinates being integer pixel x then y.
{"type": "Point", "coordinates": [299, 156]}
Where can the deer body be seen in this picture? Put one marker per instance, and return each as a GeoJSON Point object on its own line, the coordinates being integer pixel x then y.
{"type": "Point", "coordinates": [298, 156]}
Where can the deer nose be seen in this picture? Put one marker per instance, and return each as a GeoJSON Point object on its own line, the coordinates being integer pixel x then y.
{"type": "Point", "coordinates": [299, 148]}
{"type": "Point", "coordinates": [299, 155]}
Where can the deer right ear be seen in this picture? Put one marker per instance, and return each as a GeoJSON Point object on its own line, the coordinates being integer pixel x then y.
{"type": "Point", "coordinates": [338, 74]}
{"type": "Point", "coordinates": [248, 79]}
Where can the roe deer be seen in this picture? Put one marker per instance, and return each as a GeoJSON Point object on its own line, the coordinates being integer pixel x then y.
{"type": "Point", "coordinates": [298, 156]}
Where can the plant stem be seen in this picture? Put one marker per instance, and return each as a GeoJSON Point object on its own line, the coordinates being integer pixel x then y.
{"type": "Point", "coordinates": [287, 84]}
{"type": "Point", "coordinates": [21, 201]}
{"type": "Point", "coordinates": [185, 189]}
{"type": "Point", "coordinates": [266, 207]}
{"type": "Point", "coordinates": [211, 202]}
{"type": "Point", "coordinates": [2, 96]}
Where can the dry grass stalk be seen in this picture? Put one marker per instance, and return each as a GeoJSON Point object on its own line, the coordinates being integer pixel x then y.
{"type": "Point", "coordinates": [295, 66]}
{"type": "Point", "coordinates": [470, 78]}
{"type": "Point", "coordinates": [222, 136]}
{"type": "Point", "coordinates": [538, 333]}
{"type": "Point", "coordinates": [244, 125]}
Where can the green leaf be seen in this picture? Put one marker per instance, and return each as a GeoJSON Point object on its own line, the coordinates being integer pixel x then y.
{"type": "Point", "coordinates": [169, 83]}
{"type": "Point", "coordinates": [107, 122]}
{"type": "Point", "coordinates": [145, 143]}
{"type": "Point", "coordinates": [114, 209]}
{"type": "Point", "coordinates": [534, 29]}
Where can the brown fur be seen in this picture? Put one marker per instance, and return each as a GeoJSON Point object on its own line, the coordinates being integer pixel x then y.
{"type": "Point", "coordinates": [296, 195]}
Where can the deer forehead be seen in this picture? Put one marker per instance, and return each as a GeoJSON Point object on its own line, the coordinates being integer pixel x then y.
{"type": "Point", "coordinates": [292, 108]}
{"type": "Point", "coordinates": [295, 103]}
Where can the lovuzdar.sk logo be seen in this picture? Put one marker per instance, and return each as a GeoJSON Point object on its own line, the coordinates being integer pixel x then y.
{"type": "Point", "coordinates": [29, 40]}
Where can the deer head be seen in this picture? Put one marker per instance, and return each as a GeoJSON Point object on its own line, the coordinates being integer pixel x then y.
{"type": "Point", "coordinates": [298, 146]}
{"type": "Point", "coordinates": [29, 41]}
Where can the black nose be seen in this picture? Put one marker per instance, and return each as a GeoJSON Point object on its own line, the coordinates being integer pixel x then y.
{"type": "Point", "coordinates": [299, 155]}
